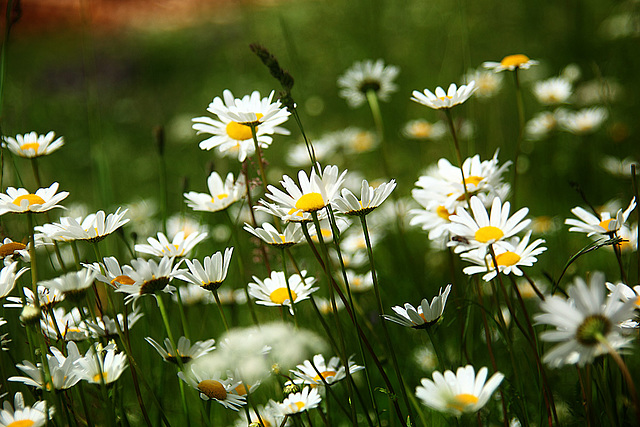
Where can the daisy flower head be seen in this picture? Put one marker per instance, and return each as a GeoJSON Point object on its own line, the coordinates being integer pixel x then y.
{"type": "Point", "coordinates": [185, 351]}
{"type": "Point", "coordinates": [148, 277]}
{"type": "Point", "coordinates": [424, 130]}
{"type": "Point", "coordinates": [311, 194]}
{"type": "Point", "coordinates": [488, 83]}
{"type": "Point", "coordinates": [359, 283]}
{"type": "Point", "coordinates": [114, 275]}
{"type": "Point", "coordinates": [302, 401]}
{"type": "Point", "coordinates": [269, 416]}
{"type": "Point", "coordinates": [20, 200]}
{"type": "Point", "coordinates": [462, 392]}
{"type": "Point", "coordinates": [318, 372]}
{"type": "Point", "coordinates": [605, 224]}
{"type": "Point", "coordinates": [273, 290]}
{"type": "Point", "coordinates": [185, 223]}
{"type": "Point", "coordinates": [355, 140]}
{"type": "Point", "coordinates": [64, 373]}
{"type": "Point", "coordinates": [425, 315]}
{"type": "Point", "coordinates": [482, 230]}
{"type": "Point", "coordinates": [10, 250]}
{"type": "Point", "coordinates": [541, 125]}
{"type": "Point", "coordinates": [370, 198]}
{"type": "Point", "coordinates": [8, 277]}
{"type": "Point", "coordinates": [221, 194]}
{"type": "Point", "coordinates": [444, 100]}
{"type": "Point", "coordinates": [102, 364]}
{"type": "Point", "coordinates": [180, 246]}
{"type": "Point", "coordinates": [587, 323]}
{"type": "Point", "coordinates": [46, 299]}
{"type": "Point", "coordinates": [627, 293]}
{"type": "Point", "coordinates": [105, 326]}
{"type": "Point", "coordinates": [93, 228]}
{"type": "Point", "coordinates": [212, 387]}
{"type": "Point", "coordinates": [510, 257]}
{"type": "Point", "coordinates": [582, 122]}
{"type": "Point", "coordinates": [511, 63]}
{"type": "Point", "coordinates": [291, 235]}
{"type": "Point", "coordinates": [60, 324]}
{"type": "Point", "coordinates": [236, 118]}
{"type": "Point", "coordinates": [367, 76]}
{"type": "Point", "coordinates": [555, 90]}
{"type": "Point", "coordinates": [211, 273]}
{"type": "Point", "coordinates": [194, 294]}
{"type": "Point", "coordinates": [31, 145]}
{"type": "Point", "coordinates": [20, 415]}
{"type": "Point", "coordinates": [74, 284]}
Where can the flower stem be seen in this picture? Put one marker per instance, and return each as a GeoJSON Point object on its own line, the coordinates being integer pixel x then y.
{"type": "Point", "coordinates": [220, 308]}
{"type": "Point", "coordinates": [520, 133]}
{"type": "Point", "coordinates": [452, 129]}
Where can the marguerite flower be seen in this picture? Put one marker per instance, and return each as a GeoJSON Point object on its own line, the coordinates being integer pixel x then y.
{"type": "Point", "coordinates": [511, 63]}
{"type": "Point", "coordinates": [185, 351]}
{"type": "Point", "coordinates": [46, 298]}
{"type": "Point", "coordinates": [425, 315]}
{"type": "Point", "coordinates": [370, 198]}
{"type": "Point", "coordinates": [114, 275]}
{"type": "Point", "coordinates": [179, 247]}
{"type": "Point", "coordinates": [102, 365]}
{"type": "Point", "coordinates": [211, 386]}
{"type": "Point", "coordinates": [291, 235]}
{"type": "Point", "coordinates": [68, 326]}
{"type": "Point", "coordinates": [367, 76]}
{"type": "Point", "coordinates": [553, 91]}
{"type": "Point", "coordinates": [424, 130]}
{"type": "Point", "coordinates": [296, 403]}
{"type": "Point", "coordinates": [148, 277]}
{"type": "Point", "coordinates": [273, 290]}
{"type": "Point", "coordinates": [488, 83]}
{"type": "Point", "coordinates": [540, 125]}
{"type": "Point", "coordinates": [73, 285]}
{"type": "Point", "coordinates": [106, 326]}
{"type": "Point", "coordinates": [8, 277]}
{"type": "Point", "coordinates": [24, 416]}
{"type": "Point", "coordinates": [606, 224]}
{"type": "Point", "coordinates": [587, 324]}
{"type": "Point", "coordinates": [92, 228]}
{"type": "Point", "coordinates": [10, 249]}
{"type": "Point", "coordinates": [444, 100]}
{"type": "Point", "coordinates": [332, 372]}
{"type": "Point", "coordinates": [582, 122]}
{"type": "Point", "coordinates": [64, 373]}
{"type": "Point", "coordinates": [221, 194]}
{"type": "Point", "coordinates": [21, 201]}
{"type": "Point", "coordinates": [32, 145]}
{"type": "Point", "coordinates": [210, 275]}
{"type": "Point", "coordinates": [462, 392]}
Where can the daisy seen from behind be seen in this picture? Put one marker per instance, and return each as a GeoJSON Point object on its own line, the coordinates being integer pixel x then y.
{"type": "Point", "coordinates": [221, 194]}
{"type": "Point", "coordinates": [184, 351]}
{"type": "Point", "coordinates": [102, 364]}
{"type": "Point", "coordinates": [425, 315]}
{"type": "Point", "coordinates": [367, 76]}
{"type": "Point", "coordinates": [148, 277]}
{"type": "Point", "coordinates": [19, 200]}
{"type": "Point", "coordinates": [291, 235]}
{"type": "Point", "coordinates": [72, 285]}
{"type": "Point", "coordinates": [180, 245]}
{"type": "Point", "coordinates": [444, 100]}
{"type": "Point", "coordinates": [31, 145]}
{"type": "Point", "coordinates": [462, 392]}
{"type": "Point", "coordinates": [92, 228]}
{"type": "Point", "coordinates": [210, 273]}
{"type": "Point", "coordinates": [370, 198]}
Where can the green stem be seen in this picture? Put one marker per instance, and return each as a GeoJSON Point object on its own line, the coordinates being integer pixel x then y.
{"type": "Point", "coordinates": [520, 133]}
{"type": "Point", "coordinates": [263, 175]}
{"type": "Point", "coordinates": [220, 308]}
{"type": "Point", "coordinates": [286, 280]}
{"type": "Point", "coordinates": [454, 136]}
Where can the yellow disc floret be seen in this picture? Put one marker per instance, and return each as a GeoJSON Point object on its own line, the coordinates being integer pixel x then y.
{"type": "Point", "coordinates": [325, 375]}
{"type": "Point", "coordinates": [462, 400]}
{"type": "Point", "coordinates": [488, 234]}
{"type": "Point", "coordinates": [605, 224]}
{"type": "Point", "coordinates": [30, 145]}
{"type": "Point", "coordinates": [212, 389]}
{"type": "Point", "coordinates": [280, 295]}
{"type": "Point", "coordinates": [514, 60]}
{"type": "Point", "coordinates": [10, 248]}
{"type": "Point", "coordinates": [31, 198]}
{"type": "Point", "coordinates": [239, 131]}
{"type": "Point", "coordinates": [508, 258]}
{"type": "Point", "coordinates": [21, 423]}
{"type": "Point", "coordinates": [310, 202]}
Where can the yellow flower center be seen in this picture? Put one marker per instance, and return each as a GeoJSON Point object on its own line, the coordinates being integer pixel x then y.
{"type": "Point", "coordinates": [488, 234]}
{"type": "Point", "coordinates": [300, 405]}
{"type": "Point", "coordinates": [442, 98]}
{"type": "Point", "coordinates": [32, 198]}
{"type": "Point", "coordinates": [280, 295]}
{"type": "Point", "coordinates": [514, 60]}
{"type": "Point", "coordinates": [443, 213]}
{"type": "Point", "coordinates": [475, 180]}
{"type": "Point", "coordinates": [29, 145]}
{"type": "Point", "coordinates": [421, 130]}
{"type": "Point", "coordinates": [123, 280]}
{"type": "Point", "coordinates": [96, 377]}
{"type": "Point", "coordinates": [508, 258]}
{"type": "Point", "coordinates": [310, 202]}
{"type": "Point", "coordinates": [21, 423]}
{"type": "Point", "coordinates": [461, 401]}
{"type": "Point", "coordinates": [605, 224]}
{"type": "Point", "coordinates": [363, 141]}
{"type": "Point", "coordinates": [9, 248]}
{"type": "Point", "coordinates": [325, 375]}
{"type": "Point", "coordinates": [242, 390]}
{"type": "Point", "coordinates": [212, 389]}
{"type": "Point", "coordinates": [240, 132]}
{"type": "Point", "coordinates": [220, 196]}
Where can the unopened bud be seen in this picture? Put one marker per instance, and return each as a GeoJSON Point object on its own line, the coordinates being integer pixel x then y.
{"type": "Point", "coordinates": [291, 388]}
{"type": "Point", "coordinates": [30, 314]}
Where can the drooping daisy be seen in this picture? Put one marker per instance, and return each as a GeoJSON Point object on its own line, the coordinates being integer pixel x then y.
{"type": "Point", "coordinates": [482, 230]}
{"type": "Point", "coordinates": [273, 290]}
{"type": "Point", "coordinates": [488, 83]}
{"type": "Point", "coordinates": [510, 257]}
{"type": "Point", "coordinates": [24, 416]}
{"type": "Point", "coordinates": [444, 100]}
{"type": "Point", "coordinates": [313, 193]}
{"type": "Point", "coordinates": [296, 403]}
{"type": "Point", "coordinates": [291, 235]}
{"type": "Point", "coordinates": [370, 198]}
{"type": "Point", "coordinates": [180, 246]}
{"type": "Point", "coordinates": [367, 76]}
{"type": "Point", "coordinates": [148, 277]}
{"type": "Point", "coordinates": [511, 63]}
{"type": "Point", "coordinates": [20, 200]}
{"type": "Point", "coordinates": [584, 321]}
{"type": "Point", "coordinates": [425, 315]}
{"type": "Point", "coordinates": [102, 364]}
{"type": "Point", "coordinates": [423, 130]}
{"type": "Point", "coordinates": [211, 273]}
{"type": "Point", "coordinates": [211, 386]}
{"type": "Point", "coordinates": [8, 277]}
{"type": "Point", "coordinates": [220, 196]}
{"type": "Point", "coordinates": [73, 285]}
{"type": "Point", "coordinates": [31, 145]}
{"type": "Point", "coordinates": [185, 351]}
{"type": "Point", "coordinates": [462, 392]}
{"type": "Point", "coordinates": [232, 130]}
{"type": "Point", "coordinates": [606, 224]}
{"type": "Point", "coordinates": [556, 90]}
{"type": "Point", "coordinates": [332, 371]}
{"type": "Point", "coordinates": [64, 373]}
{"type": "Point", "coordinates": [92, 228]}
{"type": "Point", "coordinates": [582, 122]}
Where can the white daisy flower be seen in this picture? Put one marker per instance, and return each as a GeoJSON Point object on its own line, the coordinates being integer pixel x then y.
{"type": "Point", "coordinates": [291, 235]}
{"type": "Point", "coordinates": [8, 277]}
{"type": "Point", "coordinates": [487, 82]}
{"type": "Point", "coordinates": [443, 100]}
{"type": "Point", "coordinates": [31, 145]}
{"type": "Point", "coordinates": [323, 147]}
{"type": "Point", "coordinates": [20, 200]}
{"type": "Point", "coordinates": [211, 386]}
{"type": "Point", "coordinates": [582, 321]}
{"type": "Point", "coordinates": [10, 250]}
{"type": "Point", "coordinates": [185, 351]}
{"type": "Point", "coordinates": [617, 167]}
{"type": "Point", "coordinates": [370, 198]}
{"type": "Point", "coordinates": [511, 63]}
{"type": "Point", "coordinates": [221, 194]}
{"type": "Point", "coordinates": [24, 416]}
{"type": "Point", "coordinates": [103, 366]}
{"type": "Point", "coordinates": [92, 228]}
{"type": "Point", "coordinates": [73, 285]}
{"type": "Point", "coordinates": [187, 224]}
{"type": "Point", "coordinates": [113, 275]}
{"type": "Point", "coordinates": [424, 130]}
{"type": "Point", "coordinates": [482, 230]}
{"type": "Point", "coordinates": [270, 416]}
{"type": "Point", "coordinates": [180, 246]}
{"type": "Point", "coordinates": [510, 257]}
{"type": "Point", "coordinates": [232, 131]}
{"type": "Point", "coordinates": [556, 90]}
{"type": "Point", "coordinates": [64, 373]}
{"type": "Point", "coordinates": [273, 291]}
{"type": "Point", "coordinates": [106, 326]}
{"type": "Point", "coordinates": [313, 193]}
{"type": "Point", "coordinates": [211, 273]}
{"type": "Point", "coordinates": [606, 224]}
{"type": "Point", "coordinates": [359, 283]}
{"type": "Point", "coordinates": [325, 307]}
{"type": "Point", "coordinates": [191, 294]}
{"type": "Point", "coordinates": [425, 315]}
{"type": "Point", "coordinates": [332, 371]}
{"type": "Point", "coordinates": [355, 140]}
{"type": "Point", "coordinates": [627, 293]}
{"type": "Point", "coordinates": [540, 125]}
{"type": "Point", "coordinates": [148, 277]}
{"type": "Point", "coordinates": [367, 76]}
{"type": "Point", "coordinates": [46, 298]}
{"type": "Point", "coordinates": [582, 122]}
{"type": "Point", "coordinates": [462, 392]}
{"type": "Point", "coordinates": [296, 403]}
{"type": "Point", "coordinates": [60, 324]}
